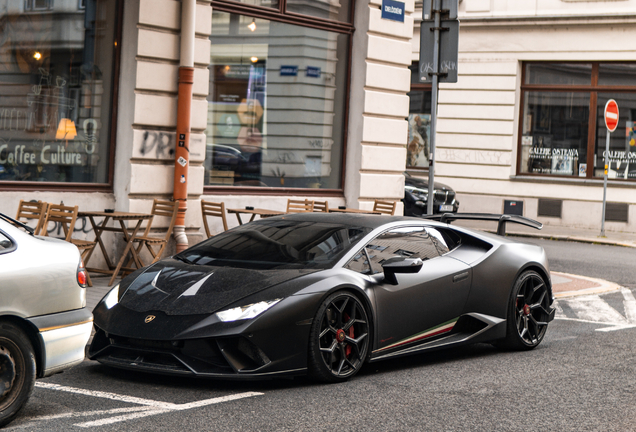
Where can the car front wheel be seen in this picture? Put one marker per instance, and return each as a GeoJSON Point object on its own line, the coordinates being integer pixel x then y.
{"type": "Point", "coordinates": [339, 338]}
{"type": "Point", "coordinates": [17, 371]}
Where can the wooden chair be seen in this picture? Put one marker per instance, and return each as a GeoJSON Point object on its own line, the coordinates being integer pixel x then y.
{"type": "Point", "coordinates": [159, 208]}
{"type": "Point", "coordinates": [28, 210]}
{"type": "Point", "coordinates": [384, 207]}
{"type": "Point", "coordinates": [66, 217]}
{"type": "Point", "coordinates": [321, 206]}
{"type": "Point", "coordinates": [214, 209]}
{"type": "Point", "coordinates": [299, 206]}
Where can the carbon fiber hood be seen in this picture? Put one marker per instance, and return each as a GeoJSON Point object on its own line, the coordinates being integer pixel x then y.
{"type": "Point", "coordinates": [177, 288]}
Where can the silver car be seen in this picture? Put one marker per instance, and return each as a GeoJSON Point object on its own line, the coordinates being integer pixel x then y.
{"type": "Point", "coordinates": [44, 323]}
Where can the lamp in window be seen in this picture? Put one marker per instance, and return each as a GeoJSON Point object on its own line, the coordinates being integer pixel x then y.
{"type": "Point", "coordinates": [66, 130]}
{"type": "Point", "coordinates": [252, 25]}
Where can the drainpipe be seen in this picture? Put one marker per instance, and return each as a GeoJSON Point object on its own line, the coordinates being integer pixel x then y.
{"type": "Point", "coordinates": [184, 104]}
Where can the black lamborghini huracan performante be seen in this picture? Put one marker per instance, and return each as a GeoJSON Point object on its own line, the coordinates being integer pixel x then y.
{"type": "Point", "coordinates": [321, 294]}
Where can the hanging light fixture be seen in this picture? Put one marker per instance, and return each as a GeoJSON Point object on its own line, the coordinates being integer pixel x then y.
{"type": "Point", "coordinates": [254, 59]}
{"type": "Point", "coordinates": [252, 25]}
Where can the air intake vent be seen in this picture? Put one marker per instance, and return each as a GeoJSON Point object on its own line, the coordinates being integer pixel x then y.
{"type": "Point", "coordinates": [513, 207]}
{"type": "Point", "coordinates": [550, 207]}
{"type": "Point", "coordinates": [616, 212]}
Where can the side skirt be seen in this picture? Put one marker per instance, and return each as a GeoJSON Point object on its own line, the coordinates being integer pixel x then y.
{"type": "Point", "coordinates": [469, 328]}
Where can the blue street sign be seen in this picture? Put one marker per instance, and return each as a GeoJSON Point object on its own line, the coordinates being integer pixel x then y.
{"type": "Point", "coordinates": [393, 10]}
{"type": "Point", "coordinates": [288, 70]}
{"type": "Point", "coordinates": [313, 72]}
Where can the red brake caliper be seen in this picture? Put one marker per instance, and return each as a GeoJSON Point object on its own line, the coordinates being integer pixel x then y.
{"type": "Point", "coordinates": [348, 348]}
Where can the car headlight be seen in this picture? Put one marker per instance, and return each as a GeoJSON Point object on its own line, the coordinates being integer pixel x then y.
{"type": "Point", "coordinates": [112, 298]}
{"type": "Point", "coordinates": [246, 312]}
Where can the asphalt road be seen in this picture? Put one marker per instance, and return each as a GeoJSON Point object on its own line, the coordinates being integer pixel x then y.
{"type": "Point", "coordinates": [581, 378]}
{"type": "Point", "coordinates": [613, 263]}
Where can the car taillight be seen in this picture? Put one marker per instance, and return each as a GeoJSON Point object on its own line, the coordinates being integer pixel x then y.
{"type": "Point", "coordinates": [82, 277]}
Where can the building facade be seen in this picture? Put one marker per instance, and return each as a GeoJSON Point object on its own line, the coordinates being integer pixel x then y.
{"type": "Point", "coordinates": [295, 98]}
{"type": "Point", "coordinates": [523, 130]}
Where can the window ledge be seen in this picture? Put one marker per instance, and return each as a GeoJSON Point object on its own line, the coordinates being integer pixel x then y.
{"type": "Point", "coordinates": [629, 184]}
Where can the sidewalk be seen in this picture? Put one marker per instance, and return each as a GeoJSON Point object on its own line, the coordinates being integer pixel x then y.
{"type": "Point", "coordinates": [564, 285]}
{"type": "Point", "coordinates": [557, 233]}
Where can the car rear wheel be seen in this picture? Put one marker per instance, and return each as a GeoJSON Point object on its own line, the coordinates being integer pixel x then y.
{"type": "Point", "coordinates": [339, 338]}
{"type": "Point", "coordinates": [17, 371]}
{"type": "Point", "coordinates": [528, 312]}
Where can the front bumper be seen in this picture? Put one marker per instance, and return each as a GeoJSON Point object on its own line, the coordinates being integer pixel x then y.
{"type": "Point", "coordinates": [63, 338]}
{"type": "Point", "coordinates": [272, 344]}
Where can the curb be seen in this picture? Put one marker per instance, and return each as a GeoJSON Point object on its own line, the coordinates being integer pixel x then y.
{"type": "Point", "coordinates": [604, 286]}
{"type": "Point", "coordinates": [597, 240]}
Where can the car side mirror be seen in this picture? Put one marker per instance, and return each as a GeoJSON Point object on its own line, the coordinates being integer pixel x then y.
{"type": "Point", "coordinates": [400, 265]}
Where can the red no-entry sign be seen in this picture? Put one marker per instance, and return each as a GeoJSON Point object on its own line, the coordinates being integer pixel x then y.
{"type": "Point", "coordinates": [611, 115]}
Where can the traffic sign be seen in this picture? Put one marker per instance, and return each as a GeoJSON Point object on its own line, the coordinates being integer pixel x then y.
{"type": "Point", "coordinates": [611, 115]}
{"type": "Point", "coordinates": [448, 49]}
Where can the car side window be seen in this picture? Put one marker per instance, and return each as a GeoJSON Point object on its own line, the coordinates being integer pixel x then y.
{"type": "Point", "coordinates": [5, 243]}
{"type": "Point", "coordinates": [360, 263]}
{"type": "Point", "coordinates": [409, 242]}
{"type": "Point", "coordinates": [438, 241]}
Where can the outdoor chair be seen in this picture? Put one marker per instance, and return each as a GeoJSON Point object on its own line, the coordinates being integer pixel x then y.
{"type": "Point", "coordinates": [161, 208]}
{"type": "Point", "coordinates": [384, 207]}
{"type": "Point", "coordinates": [213, 209]}
{"type": "Point", "coordinates": [321, 206]}
{"type": "Point", "coordinates": [65, 218]}
{"type": "Point", "coordinates": [28, 210]}
{"type": "Point", "coordinates": [299, 206]}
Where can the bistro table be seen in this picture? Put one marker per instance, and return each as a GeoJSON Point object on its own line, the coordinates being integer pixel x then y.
{"type": "Point", "coordinates": [129, 236]}
{"type": "Point", "coordinates": [261, 212]}
{"type": "Point", "coordinates": [352, 210]}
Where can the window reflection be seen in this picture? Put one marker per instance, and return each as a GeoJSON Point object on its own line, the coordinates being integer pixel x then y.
{"type": "Point", "coordinates": [276, 104]}
{"type": "Point", "coordinates": [56, 73]}
{"type": "Point", "coordinates": [559, 73]}
{"type": "Point", "coordinates": [555, 129]}
{"type": "Point", "coordinates": [622, 149]}
{"type": "Point", "coordinates": [334, 10]}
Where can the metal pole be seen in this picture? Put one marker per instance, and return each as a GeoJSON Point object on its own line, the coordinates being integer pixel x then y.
{"type": "Point", "coordinates": [606, 159]}
{"type": "Point", "coordinates": [431, 158]}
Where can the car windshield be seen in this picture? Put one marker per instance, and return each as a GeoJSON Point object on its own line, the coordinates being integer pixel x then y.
{"type": "Point", "coordinates": [276, 243]}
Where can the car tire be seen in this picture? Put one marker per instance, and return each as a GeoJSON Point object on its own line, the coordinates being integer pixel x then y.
{"type": "Point", "coordinates": [339, 338]}
{"type": "Point", "coordinates": [528, 314]}
{"type": "Point", "coordinates": [17, 371]}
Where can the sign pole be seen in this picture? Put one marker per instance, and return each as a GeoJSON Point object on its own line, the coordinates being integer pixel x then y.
{"type": "Point", "coordinates": [607, 141]}
{"type": "Point", "coordinates": [431, 158]}
{"type": "Point", "coordinates": [611, 123]}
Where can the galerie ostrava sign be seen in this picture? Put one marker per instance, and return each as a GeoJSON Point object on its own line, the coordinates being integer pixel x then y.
{"type": "Point", "coordinates": [393, 10]}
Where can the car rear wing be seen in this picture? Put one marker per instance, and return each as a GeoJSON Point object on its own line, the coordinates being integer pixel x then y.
{"type": "Point", "coordinates": [502, 219]}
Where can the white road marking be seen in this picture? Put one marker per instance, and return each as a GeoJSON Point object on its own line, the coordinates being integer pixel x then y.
{"type": "Point", "coordinates": [88, 413]}
{"type": "Point", "coordinates": [150, 407]}
{"type": "Point", "coordinates": [117, 419]}
{"type": "Point", "coordinates": [594, 310]}
{"type": "Point", "coordinates": [630, 305]}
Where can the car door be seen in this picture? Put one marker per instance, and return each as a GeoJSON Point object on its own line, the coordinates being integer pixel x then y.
{"type": "Point", "coordinates": [423, 304]}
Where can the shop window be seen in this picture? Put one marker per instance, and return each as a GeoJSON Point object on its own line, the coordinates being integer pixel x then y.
{"type": "Point", "coordinates": [418, 144]}
{"type": "Point", "coordinates": [38, 5]}
{"type": "Point", "coordinates": [276, 104]}
{"type": "Point", "coordinates": [562, 126]}
{"type": "Point", "coordinates": [55, 115]}
{"type": "Point", "coordinates": [338, 10]}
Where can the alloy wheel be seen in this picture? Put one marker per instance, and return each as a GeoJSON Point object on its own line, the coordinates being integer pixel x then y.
{"type": "Point", "coordinates": [344, 335]}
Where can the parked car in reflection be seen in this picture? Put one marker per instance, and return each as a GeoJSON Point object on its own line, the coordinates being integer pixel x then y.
{"type": "Point", "coordinates": [416, 197]}
{"type": "Point", "coordinates": [44, 323]}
